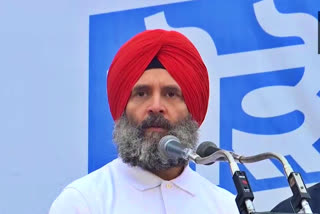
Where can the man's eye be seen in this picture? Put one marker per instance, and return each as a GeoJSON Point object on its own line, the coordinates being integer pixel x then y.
{"type": "Point", "coordinates": [171, 94]}
{"type": "Point", "coordinates": [141, 93]}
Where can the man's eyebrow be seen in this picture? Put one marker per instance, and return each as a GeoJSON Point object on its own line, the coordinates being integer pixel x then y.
{"type": "Point", "coordinates": [144, 87]}
{"type": "Point", "coordinates": [173, 88]}
{"type": "Point", "coordinates": [140, 88]}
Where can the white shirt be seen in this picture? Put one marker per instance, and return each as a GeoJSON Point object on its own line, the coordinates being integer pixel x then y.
{"type": "Point", "coordinates": [117, 188]}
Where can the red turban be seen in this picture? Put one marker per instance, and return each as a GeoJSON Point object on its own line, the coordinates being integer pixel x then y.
{"type": "Point", "coordinates": [179, 57]}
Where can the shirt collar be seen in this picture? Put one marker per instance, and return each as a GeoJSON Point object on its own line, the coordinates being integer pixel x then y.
{"type": "Point", "coordinates": [139, 178]}
{"type": "Point", "coordinates": [143, 180]}
{"type": "Point", "coordinates": [187, 181]}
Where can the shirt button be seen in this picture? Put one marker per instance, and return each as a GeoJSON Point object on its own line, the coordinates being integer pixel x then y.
{"type": "Point", "coordinates": [169, 186]}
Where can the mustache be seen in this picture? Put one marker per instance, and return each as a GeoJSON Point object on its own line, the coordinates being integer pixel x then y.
{"type": "Point", "coordinates": [156, 121]}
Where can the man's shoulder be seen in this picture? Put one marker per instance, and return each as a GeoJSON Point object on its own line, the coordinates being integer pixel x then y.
{"type": "Point", "coordinates": [96, 178]}
{"type": "Point", "coordinates": [96, 181]}
{"type": "Point", "coordinates": [84, 194]}
{"type": "Point", "coordinates": [209, 186]}
{"type": "Point", "coordinates": [211, 193]}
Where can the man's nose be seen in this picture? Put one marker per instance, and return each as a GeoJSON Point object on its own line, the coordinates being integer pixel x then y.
{"type": "Point", "coordinates": [156, 105]}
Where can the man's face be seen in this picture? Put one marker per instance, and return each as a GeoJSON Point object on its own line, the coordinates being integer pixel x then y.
{"type": "Point", "coordinates": [156, 108]}
{"type": "Point", "coordinates": [156, 92]}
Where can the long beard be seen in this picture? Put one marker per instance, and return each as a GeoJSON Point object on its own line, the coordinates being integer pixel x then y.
{"type": "Point", "coordinates": [138, 148]}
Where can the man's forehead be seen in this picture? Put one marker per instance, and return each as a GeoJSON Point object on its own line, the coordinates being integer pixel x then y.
{"type": "Point", "coordinates": [157, 76]}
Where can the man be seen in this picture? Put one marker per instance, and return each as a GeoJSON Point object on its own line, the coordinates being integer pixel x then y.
{"type": "Point", "coordinates": [157, 85]}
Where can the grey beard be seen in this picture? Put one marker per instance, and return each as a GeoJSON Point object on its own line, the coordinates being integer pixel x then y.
{"type": "Point", "coordinates": [137, 149]}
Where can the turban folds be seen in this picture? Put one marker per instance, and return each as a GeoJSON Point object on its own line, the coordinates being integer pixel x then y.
{"type": "Point", "coordinates": [179, 57]}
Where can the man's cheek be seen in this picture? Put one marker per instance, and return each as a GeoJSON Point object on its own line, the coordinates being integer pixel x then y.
{"type": "Point", "coordinates": [132, 120]}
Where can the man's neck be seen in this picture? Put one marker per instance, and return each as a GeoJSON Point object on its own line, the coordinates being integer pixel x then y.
{"type": "Point", "coordinates": [169, 174]}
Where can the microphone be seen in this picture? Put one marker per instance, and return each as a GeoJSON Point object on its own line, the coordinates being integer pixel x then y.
{"type": "Point", "coordinates": [208, 151]}
{"type": "Point", "coordinates": [171, 147]}
{"type": "Point", "coordinates": [207, 148]}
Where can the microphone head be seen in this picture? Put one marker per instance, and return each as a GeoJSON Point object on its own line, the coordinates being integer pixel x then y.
{"type": "Point", "coordinates": [206, 148]}
{"type": "Point", "coordinates": [163, 145]}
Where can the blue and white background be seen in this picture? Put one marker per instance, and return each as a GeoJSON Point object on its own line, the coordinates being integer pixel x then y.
{"type": "Point", "coordinates": [264, 72]}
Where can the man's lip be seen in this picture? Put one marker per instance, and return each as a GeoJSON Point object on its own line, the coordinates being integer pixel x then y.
{"type": "Point", "coordinates": [156, 129]}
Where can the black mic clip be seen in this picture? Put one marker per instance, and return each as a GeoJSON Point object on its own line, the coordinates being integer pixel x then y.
{"type": "Point", "coordinates": [299, 191]}
{"type": "Point", "coordinates": [244, 190]}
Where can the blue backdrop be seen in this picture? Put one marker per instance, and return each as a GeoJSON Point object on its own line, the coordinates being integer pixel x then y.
{"type": "Point", "coordinates": [262, 59]}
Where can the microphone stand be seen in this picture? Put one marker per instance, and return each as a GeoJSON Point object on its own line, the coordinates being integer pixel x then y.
{"type": "Point", "coordinates": [300, 196]}
{"type": "Point", "coordinates": [245, 195]}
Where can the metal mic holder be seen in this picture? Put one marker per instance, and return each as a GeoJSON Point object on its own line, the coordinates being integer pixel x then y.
{"type": "Point", "coordinates": [300, 199]}
{"type": "Point", "coordinates": [245, 195]}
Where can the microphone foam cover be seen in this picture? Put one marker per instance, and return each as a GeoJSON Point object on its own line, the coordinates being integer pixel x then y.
{"type": "Point", "coordinates": [206, 148]}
